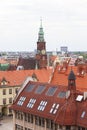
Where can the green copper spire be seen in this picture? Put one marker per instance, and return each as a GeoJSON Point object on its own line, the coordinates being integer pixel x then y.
{"type": "Point", "coordinates": [41, 33]}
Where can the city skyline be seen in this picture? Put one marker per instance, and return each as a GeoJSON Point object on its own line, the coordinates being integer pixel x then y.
{"type": "Point", "coordinates": [64, 24]}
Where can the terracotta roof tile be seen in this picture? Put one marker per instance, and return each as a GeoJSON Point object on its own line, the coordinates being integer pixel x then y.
{"type": "Point", "coordinates": [18, 77]}
{"type": "Point", "coordinates": [65, 111]}
{"type": "Point", "coordinates": [62, 76]}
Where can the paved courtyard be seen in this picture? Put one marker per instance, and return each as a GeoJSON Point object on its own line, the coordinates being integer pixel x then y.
{"type": "Point", "coordinates": [6, 123]}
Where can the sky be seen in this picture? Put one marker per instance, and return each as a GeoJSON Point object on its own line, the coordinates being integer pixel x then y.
{"type": "Point", "coordinates": [64, 24]}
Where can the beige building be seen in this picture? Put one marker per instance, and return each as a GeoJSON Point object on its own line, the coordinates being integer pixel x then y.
{"type": "Point", "coordinates": [7, 94]}
{"type": "Point", "coordinates": [11, 81]}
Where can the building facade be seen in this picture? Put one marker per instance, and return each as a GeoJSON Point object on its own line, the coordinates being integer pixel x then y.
{"type": "Point", "coordinates": [7, 94]}
{"type": "Point", "coordinates": [12, 81]}
{"type": "Point", "coordinates": [42, 106]}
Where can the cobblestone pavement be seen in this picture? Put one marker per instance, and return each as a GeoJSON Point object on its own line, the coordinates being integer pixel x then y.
{"type": "Point", "coordinates": [6, 123]}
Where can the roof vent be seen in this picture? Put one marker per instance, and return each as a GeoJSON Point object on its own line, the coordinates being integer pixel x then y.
{"type": "Point", "coordinates": [81, 69]}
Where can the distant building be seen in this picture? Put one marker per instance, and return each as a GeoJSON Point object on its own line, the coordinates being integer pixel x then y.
{"type": "Point", "coordinates": [40, 59]}
{"type": "Point", "coordinates": [41, 55]}
{"type": "Point", "coordinates": [64, 49]}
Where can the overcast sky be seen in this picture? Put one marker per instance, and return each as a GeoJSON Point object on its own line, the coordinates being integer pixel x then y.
{"type": "Point", "coordinates": [64, 24]}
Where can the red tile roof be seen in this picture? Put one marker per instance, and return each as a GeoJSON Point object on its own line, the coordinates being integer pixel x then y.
{"type": "Point", "coordinates": [61, 110]}
{"type": "Point", "coordinates": [60, 77]}
{"type": "Point", "coordinates": [17, 77]}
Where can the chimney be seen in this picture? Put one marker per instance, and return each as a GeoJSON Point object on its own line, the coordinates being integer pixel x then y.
{"type": "Point", "coordinates": [85, 95]}
{"type": "Point", "coordinates": [81, 69]}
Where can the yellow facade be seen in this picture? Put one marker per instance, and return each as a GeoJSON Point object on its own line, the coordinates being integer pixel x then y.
{"type": "Point", "coordinates": [7, 94]}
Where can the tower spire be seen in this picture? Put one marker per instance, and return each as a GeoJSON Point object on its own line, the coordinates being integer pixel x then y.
{"type": "Point", "coordinates": [41, 22]}
{"type": "Point", "coordinates": [41, 33]}
{"type": "Point", "coordinates": [71, 81]}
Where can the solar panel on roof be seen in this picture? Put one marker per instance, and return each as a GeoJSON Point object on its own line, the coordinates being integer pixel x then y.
{"type": "Point", "coordinates": [40, 89]}
{"type": "Point", "coordinates": [51, 91]}
{"type": "Point", "coordinates": [30, 87]}
{"type": "Point", "coordinates": [62, 94]}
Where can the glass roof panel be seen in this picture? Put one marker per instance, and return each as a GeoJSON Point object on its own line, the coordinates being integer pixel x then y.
{"type": "Point", "coordinates": [40, 89]}
{"type": "Point", "coordinates": [51, 91]}
{"type": "Point", "coordinates": [62, 94]}
{"type": "Point", "coordinates": [30, 87]}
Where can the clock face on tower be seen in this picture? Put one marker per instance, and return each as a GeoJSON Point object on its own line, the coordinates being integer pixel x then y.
{"type": "Point", "coordinates": [43, 51]}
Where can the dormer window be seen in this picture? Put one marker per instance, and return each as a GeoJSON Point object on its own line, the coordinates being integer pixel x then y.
{"type": "Point", "coordinates": [4, 82]}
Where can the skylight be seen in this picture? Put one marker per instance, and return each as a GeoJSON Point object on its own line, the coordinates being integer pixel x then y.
{"type": "Point", "coordinates": [40, 89]}
{"type": "Point", "coordinates": [42, 105]}
{"type": "Point", "coordinates": [62, 94]}
{"type": "Point", "coordinates": [51, 91]}
{"type": "Point", "coordinates": [30, 87]}
{"type": "Point", "coordinates": [21, 101]}
{"type": "Point", "coordinates": [54, 108]}
{"type": "Point", "coordinates": [83, 114]}
{"type": "Point", "coordinates": [31, 103]}
{"type": "Point", "coordinates": [79, 98]}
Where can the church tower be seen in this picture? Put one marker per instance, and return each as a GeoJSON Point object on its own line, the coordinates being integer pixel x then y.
{"type": "Point", "coordinates": [41, 55]}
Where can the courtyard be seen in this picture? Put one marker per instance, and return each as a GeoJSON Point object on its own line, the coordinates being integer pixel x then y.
{"type": "Point", "coordinates": [6, 123]}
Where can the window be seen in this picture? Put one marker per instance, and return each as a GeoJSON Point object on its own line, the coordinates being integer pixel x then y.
{"type": "Point", "coordinates": [62, 94]}
{"type": "Point", "coordinates": [16, 90]}
{"type": "Point", "coordinates": [18, 127]}
{"type": "Point", "coordinates": [29, 118]}
{"type": "Point", "coordinates": [68, 127]}
{"type": "Point", "coordinates": [40, 89]}
{"type": "Point", "coordinates": [27, 128]}
{"type": "Point", "coordinates": [10, 100]}
{"type": "Point", "coordinates": [51, 91]}
{"type": "Point", "coordinates": [31, 103]}
{"type": "Point", "coordinates": [42, 105]}
{"type": "Point", "coordinates": [54, 108]}
{"type": "Point", "coordinates": [4, 91]}
{"type": "Point", "coordinates": [39, 121]}
{"type": "Point", "coordinates": [19, 115]}
{"type": "Point", "coordinates": [4, 101]}
{"type": "Point", "coordinates": [10, 91]}
{"type": "Point", "coordinates": [21, 101]}
{"type": "Point", "coordinates": [49, 124]}
{"type": "Point", "coordinates": [79, 98]}
{"type": "Point", "coordinates": [30, 87]}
